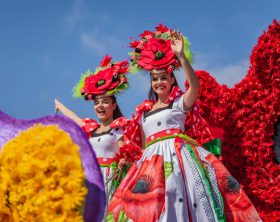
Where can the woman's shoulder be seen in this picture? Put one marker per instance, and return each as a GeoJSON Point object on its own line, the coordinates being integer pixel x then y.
{"type": "Point", "coordinates": [120, 122]}
{"type": "Point", "coordinates": [175, 95]}
{"type": "Point", "coordinates": [145, 105]}
{"type": "Point", "coordinates": [89, 125]}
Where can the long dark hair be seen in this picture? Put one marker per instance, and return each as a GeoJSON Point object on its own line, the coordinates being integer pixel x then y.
{"type": "Point", "coordinates": [154, 96]}
{"type": "Point", "coordinates": [117, 113]}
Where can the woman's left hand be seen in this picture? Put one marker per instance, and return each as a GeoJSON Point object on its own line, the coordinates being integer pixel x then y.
{"type": "Point", "coordinates": [177, 43]}
{"type": "Point", "coordinates": [122, 163]}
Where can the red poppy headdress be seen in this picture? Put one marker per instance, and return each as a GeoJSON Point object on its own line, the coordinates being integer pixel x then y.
{"type": "Point", "coordinates": [153, 51]}
{"type": "Point", "coordinates": [107, 79]}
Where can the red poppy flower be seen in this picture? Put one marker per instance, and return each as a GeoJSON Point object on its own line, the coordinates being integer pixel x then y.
{"type": "Point", "coordinates": [153, 51]}
{"type": "Point", "coordinates": [147, 34]}
{"type": "Point", "coordinates": [157, 54]}
{"type": "Point", "coordinates": [134, 44]}
{"type": "Point", "coordinates": [109, 79]}
{"type": "Point", "coordinates": [106, 79]}
{"type": "Point", "coordinates": [120, 67]}
{"type": "Point", "coordinates": [162, 28]}
{"type": "Point", "coordinates": [130, 152]}
{"type": "Point", "coordinates": [101, 82]}
{"type": "Point", "coordinates": [105, 61]}
{"type": "Point", "coordinates": [141, 195]}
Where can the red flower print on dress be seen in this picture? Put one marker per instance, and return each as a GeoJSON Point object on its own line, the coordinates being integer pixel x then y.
{"type": "Point", "coordinates": [142, 188]}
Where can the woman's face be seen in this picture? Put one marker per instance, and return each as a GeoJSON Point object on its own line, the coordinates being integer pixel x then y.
{"type": "Point", "coordinates": [104, 107]}
{"type": "Point", "coordinates": [161, 83]}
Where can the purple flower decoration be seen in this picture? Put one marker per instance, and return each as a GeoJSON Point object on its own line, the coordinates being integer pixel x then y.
{"type": "Point", "coordinates": [95, 199]}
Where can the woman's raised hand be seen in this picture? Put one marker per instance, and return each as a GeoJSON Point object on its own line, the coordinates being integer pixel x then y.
{"type": "Point", "coordinates": [177, 43]}
{"type": "Point", "coordinates": [55, 106]}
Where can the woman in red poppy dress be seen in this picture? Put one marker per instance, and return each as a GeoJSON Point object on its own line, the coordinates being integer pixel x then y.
{"type": "Point", "coordinates": [176, 179]}
{"type": "Point", "coordinates": [105, 137]}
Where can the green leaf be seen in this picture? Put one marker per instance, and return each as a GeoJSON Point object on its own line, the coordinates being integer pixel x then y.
{"type": "Point", "coordinates": [110, 218]}
{"type": "Point", "coordinates": [187, 49]}
{"type": "Point", "coordinates": [214, 146]}
{"type": "Point", "coordinates": [168, 169]}
{"type": "Point", "coordinates": [133, 68]}
{"type": "Point", "coordinates": [77, 88]}
{"type": "Point", "coordinates": [122, 217]}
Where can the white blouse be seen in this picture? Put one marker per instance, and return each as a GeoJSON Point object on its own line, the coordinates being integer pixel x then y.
{"type": "Point", "coordinates": [105, 145]}
{"type": "Point", "coordinates": [171, 117]}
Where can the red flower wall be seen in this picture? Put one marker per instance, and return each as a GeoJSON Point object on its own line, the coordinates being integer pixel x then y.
{"type": "Point", "coordinates": [244, 118]}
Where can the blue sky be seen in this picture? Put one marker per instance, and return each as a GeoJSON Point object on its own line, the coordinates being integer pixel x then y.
{"type": "Point", "coordinates": [46, 45]}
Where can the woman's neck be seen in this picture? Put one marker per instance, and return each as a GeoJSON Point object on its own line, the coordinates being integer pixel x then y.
{"type": "Point", "coordinates": [107, 122]}
{"type": "Point", "coordinates": [162, 99]}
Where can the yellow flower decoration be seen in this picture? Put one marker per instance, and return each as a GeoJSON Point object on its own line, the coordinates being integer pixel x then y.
{"type": "Point", "coordinates": [41, 177]}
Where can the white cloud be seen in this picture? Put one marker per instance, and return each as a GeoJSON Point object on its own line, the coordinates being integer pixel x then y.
{"type": "Point", "coordinates": [91, 42]}
{"type": "Point", "coordinates": [228, 74]}
{"type": "Point", "coordinates": [76, 14]}
{"type": "Point", "coordinates": [100, 38]}
{"type": "Point", "coordinates": [100, 43]}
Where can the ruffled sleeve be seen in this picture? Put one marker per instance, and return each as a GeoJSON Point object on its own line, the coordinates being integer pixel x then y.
{"type": "Point", "coordinates": [120, 122]}
{"type": "Point", "coordinates": [119, 125]}
{"type": "Point", "coordinates": [89, 125]}
{"type": "Point", "coordinates": [130, 151]}
{"type": "Point", "coordinates": [133, 130]}
{"type": "Point", "coordinates": [179, 104]}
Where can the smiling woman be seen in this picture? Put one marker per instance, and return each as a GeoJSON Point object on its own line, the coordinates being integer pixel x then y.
{"type": "Point", "coordinates": [176, 179]}
{"type": "Point", "coordinates": [105, 137]}
{"type": "Point", "coordinates": [106, 106]}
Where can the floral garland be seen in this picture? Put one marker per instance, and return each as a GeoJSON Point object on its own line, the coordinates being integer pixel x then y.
{"type": "Point", "coordinates": [153, 51]}
{"type": "Point", "coordinates": [41, 177]}
{"type": "Point", "coordinates": [109, 78]}
{"type": "Point", "coordinates": [131, 152]}
{"type": "Point", "coordinates": [244, 117]}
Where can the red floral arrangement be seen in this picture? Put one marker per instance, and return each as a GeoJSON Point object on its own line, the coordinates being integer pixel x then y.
{"type": "Point", "coordinates": [130, 151]}
{"type": "Point", "coordinates": [108, 79]}
{"type": "Point", "coordinates": [153, 51]}
{"type": "Point", "coordinates": [245, 118]}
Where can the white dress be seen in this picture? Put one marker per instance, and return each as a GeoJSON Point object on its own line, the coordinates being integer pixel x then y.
{"type": "Point", "coordinates": [105, 146]}
{"type": "Point", "coordinates": [176, 179]}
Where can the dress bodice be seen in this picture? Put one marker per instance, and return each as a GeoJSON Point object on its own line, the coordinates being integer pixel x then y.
{"type": "Point", "coordinates": [105, 145]}
{"type": "Point", "coordinates": [171, 117]}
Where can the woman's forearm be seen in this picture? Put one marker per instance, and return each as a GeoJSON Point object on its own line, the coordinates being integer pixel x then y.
{"type": "Point", "coordinates": [189, 72]}
{"type": "Point", "coordinates": [67, 112]}
{"type": "Point", "coordinates": [191, 95]}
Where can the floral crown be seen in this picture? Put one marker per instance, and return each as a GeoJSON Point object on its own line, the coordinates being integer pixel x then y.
{"type": "Point", "coordinates": [153, 51]}
{"type": "Point", "coordinates": [109, 78]}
